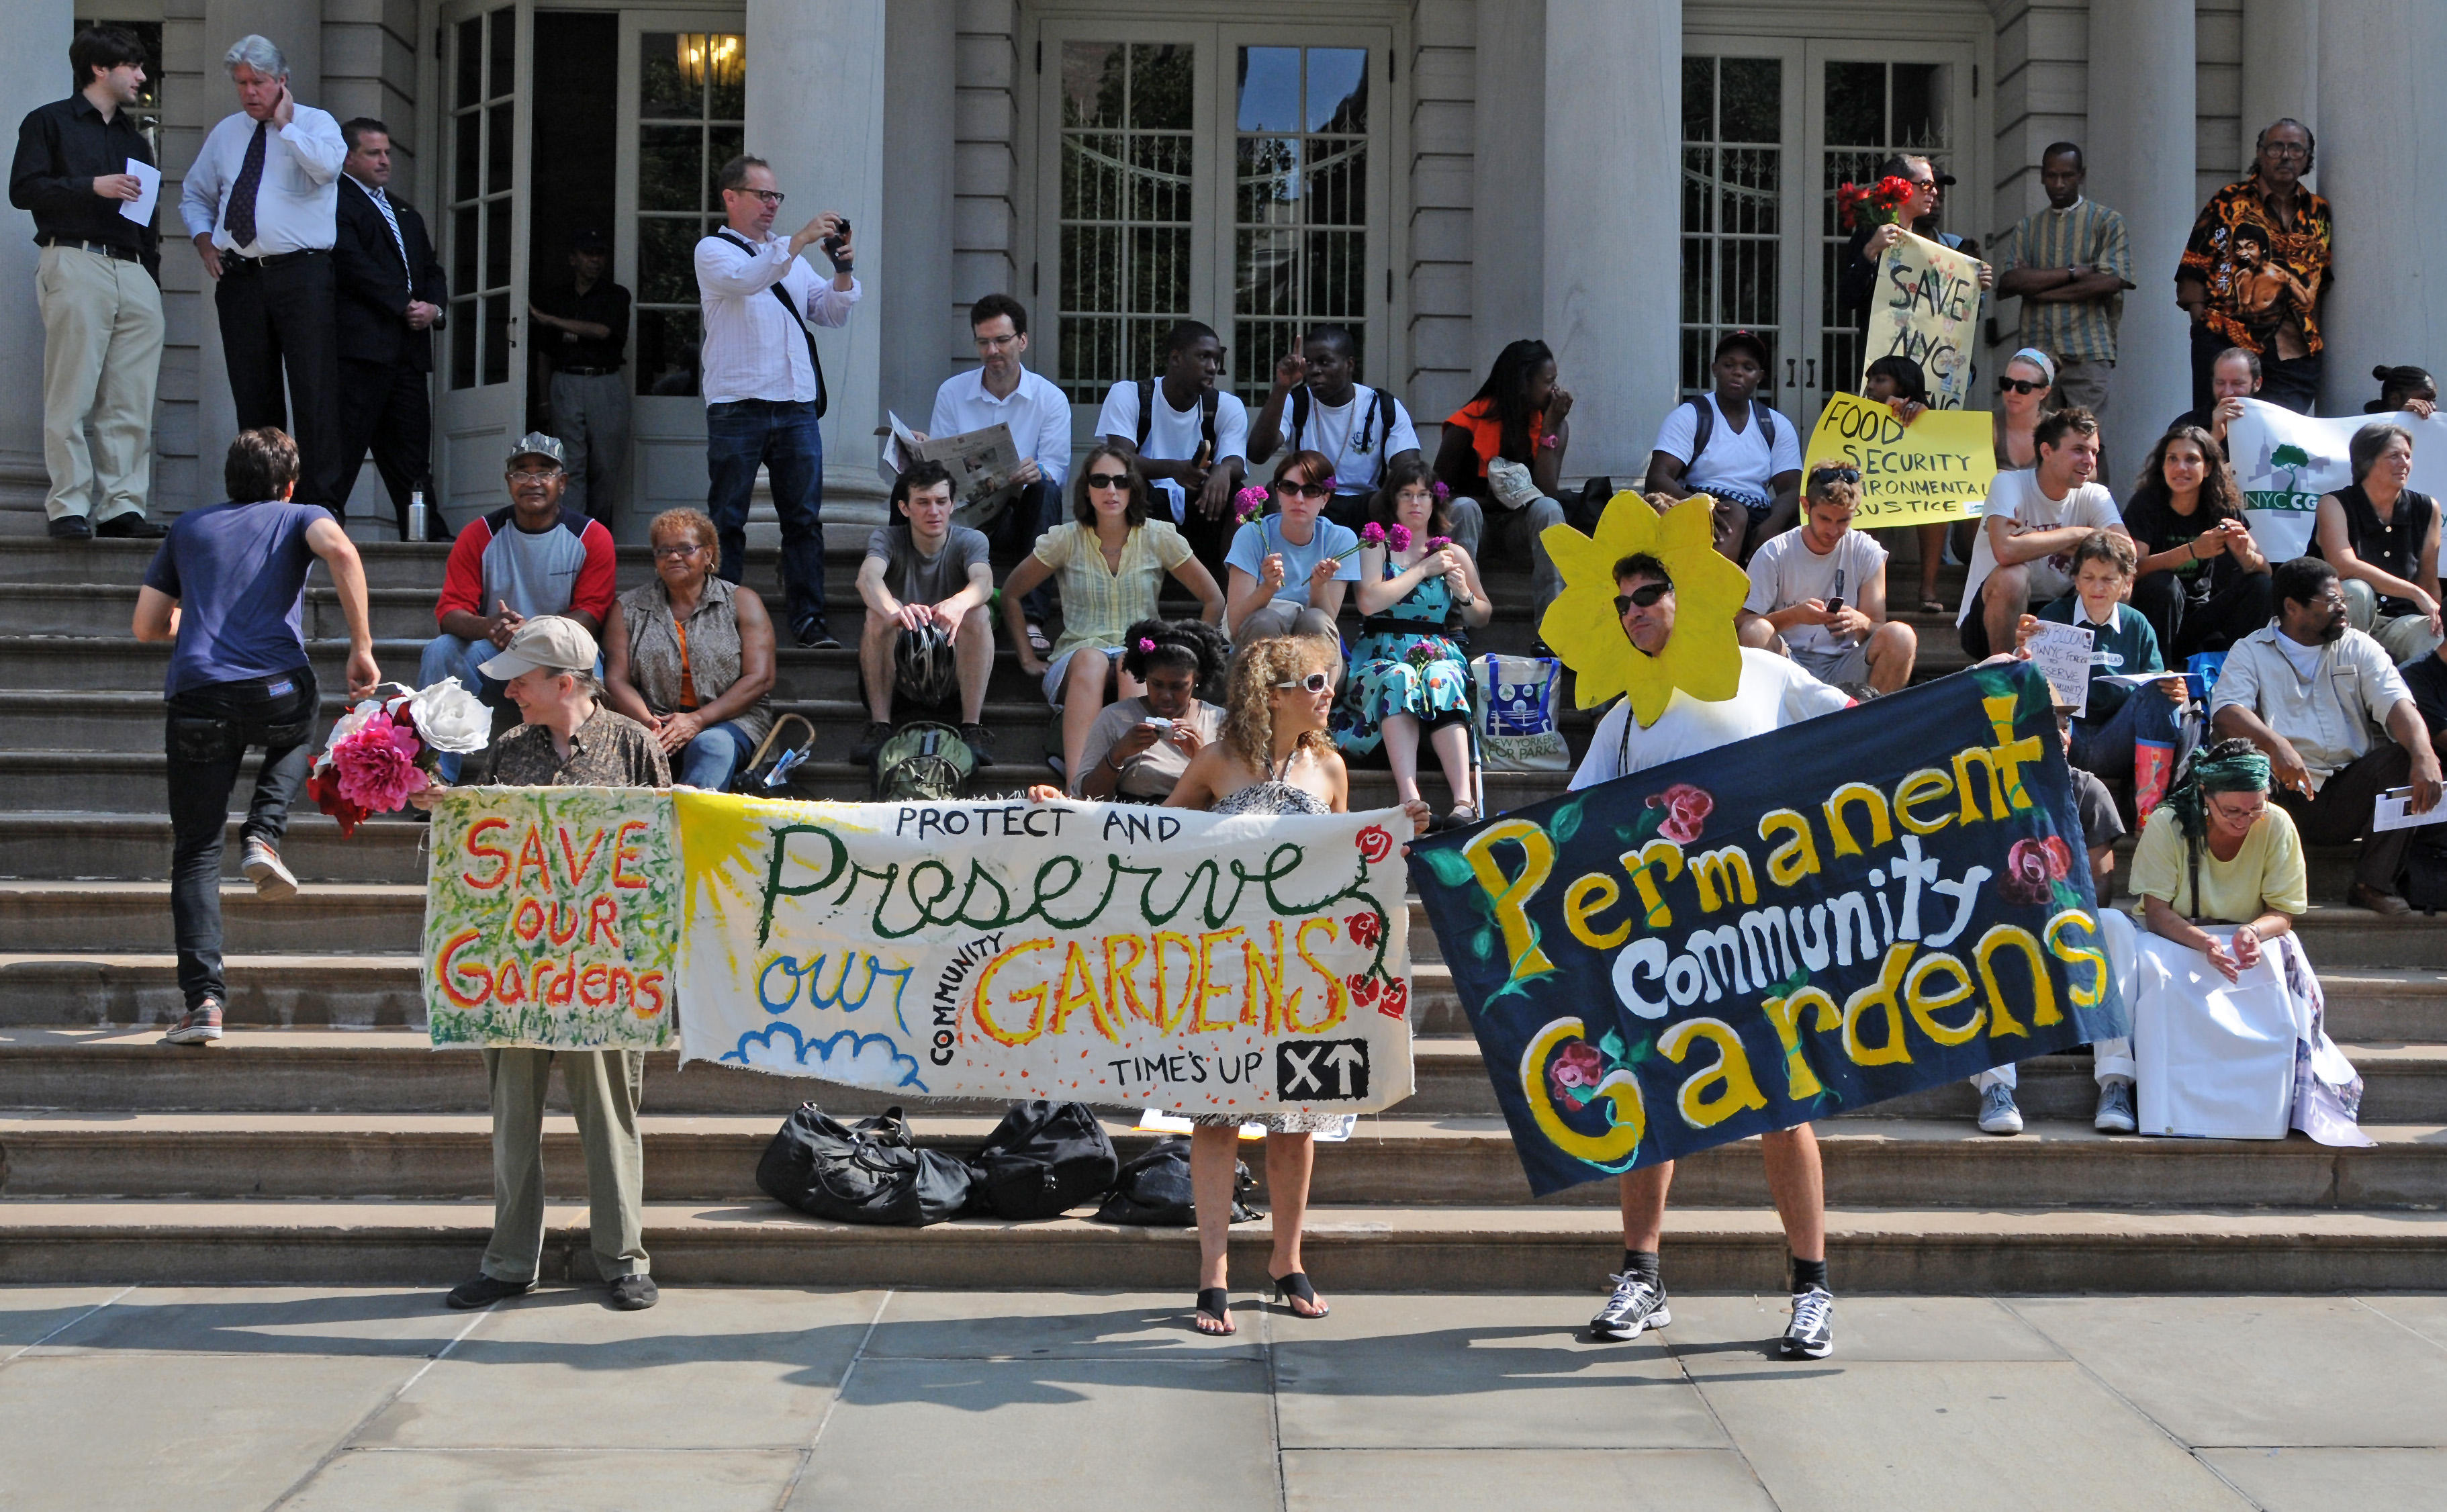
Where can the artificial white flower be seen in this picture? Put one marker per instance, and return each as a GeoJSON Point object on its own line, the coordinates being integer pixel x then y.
{"type": "Point", "coordinates": [450, 718]}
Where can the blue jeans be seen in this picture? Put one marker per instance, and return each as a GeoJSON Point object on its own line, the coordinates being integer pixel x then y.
{"type": "Point", "coordinates": [783, 435]}
{"type": "Point", "coordinates": [713, 759]}
{"type": "Point", "coordinates": [2103, 747]}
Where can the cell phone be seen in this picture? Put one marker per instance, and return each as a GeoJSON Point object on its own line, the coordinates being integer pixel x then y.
{"type": "Point", "coordinates": [1152, 722]}
{"type": "Point", "coordinates": [1836, 605]}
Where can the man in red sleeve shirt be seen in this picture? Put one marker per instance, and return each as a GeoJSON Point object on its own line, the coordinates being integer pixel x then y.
{"type": "Point", "coordinates": [534, 558]}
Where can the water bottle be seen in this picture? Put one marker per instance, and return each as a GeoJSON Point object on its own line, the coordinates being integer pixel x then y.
{"type": "Point", "coordinates": [416, 515]}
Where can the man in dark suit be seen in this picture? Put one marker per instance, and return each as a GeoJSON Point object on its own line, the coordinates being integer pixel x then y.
{"type": "Point", "coordinates": [392, 296]}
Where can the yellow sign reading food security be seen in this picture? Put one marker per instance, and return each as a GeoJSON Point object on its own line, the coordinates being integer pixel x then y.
{"type": "Point", "coordinates": [1938, 467]}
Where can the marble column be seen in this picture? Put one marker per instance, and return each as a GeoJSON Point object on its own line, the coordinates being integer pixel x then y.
{"type": "Point", "coordinates": [2141, 148]}
{"type": "Point", "coordinates": [816, 111]}
{"type": "Point", "coordinates": [2385, 173]}
{"type": "Point", "coordinates": [2281, 70]}
{"type": "Point", "coordinates": [913, 308]}
{"type": "Point", "coordinates": [32, 72]}
{"type": "Point", "coordinates": [1613, 222]}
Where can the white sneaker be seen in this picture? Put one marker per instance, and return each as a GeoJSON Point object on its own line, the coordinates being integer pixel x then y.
{"type": "Point", "coordinates": [263, 867]}
{"type": "Point", "coordinates": [1810, 1335]}
{"type": "Point", "coordinates": [1997, 1114]}
{"type": "Point", "coordinates": [1637, 1304]}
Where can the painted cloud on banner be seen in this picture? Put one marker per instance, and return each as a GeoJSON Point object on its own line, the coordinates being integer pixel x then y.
{"type": "Point", "coordinates": [866, 1059]}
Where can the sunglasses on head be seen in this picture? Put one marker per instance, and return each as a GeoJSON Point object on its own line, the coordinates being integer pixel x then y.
{"type": "Point", "coordinates": [1305, 490]}
{"type": "Point", "coordinates": [2020, 386]}
{"type": "Point", "coordinates": [1313, 682]}
{"type": "Point", "coordinates": [1835, 475]}
{"type": "Point", "coordinates": [1644, 596]}
{"type": "Point", "coordinates": [1108, 479]}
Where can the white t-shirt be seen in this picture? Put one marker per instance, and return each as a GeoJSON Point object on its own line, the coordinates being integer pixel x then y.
{"type": "Point", "coordinates": [1334, 429]}
{"type": "Point", "coordinates": [1784, 572]}
{"type": "Point", "coordinates": [1738, 467]}
{"type": "Point", "coordinates": [1175, 434]}
{"type": "Point", "coordinates": [1774, 692]}
{"type": "Point", "coordinates": [2016, 496]}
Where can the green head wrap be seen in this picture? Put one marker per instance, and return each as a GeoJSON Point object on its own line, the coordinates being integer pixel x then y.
{"type": "Point", "coordinates": [2228, 767]}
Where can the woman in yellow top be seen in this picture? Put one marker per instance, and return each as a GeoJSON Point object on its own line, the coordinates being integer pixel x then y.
{"type": "Point", "coordinates": [2222, 992]}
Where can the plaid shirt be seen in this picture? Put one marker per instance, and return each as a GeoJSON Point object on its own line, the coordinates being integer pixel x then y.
{"type": "Point", "coordinates": [2246, 305]}
{"type": "Point", "coordinates": [609, 751]}
{"type": "Point", "coordinates": [2088, 235]}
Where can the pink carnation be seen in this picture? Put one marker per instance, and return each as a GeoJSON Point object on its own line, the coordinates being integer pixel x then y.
{"type": "Point", "coordinates": [1372, 534]}
{"type": "Point", "coordinates": [1440, 490]}
{"type": "Point", "coordinates": [1437, 543]}
{"type": "Point", "coordinates": [1250, 502]}
{"type": "Point", "coordinates": [376, 769]}
{"type": "Point", "coordinates": [1399, 536]}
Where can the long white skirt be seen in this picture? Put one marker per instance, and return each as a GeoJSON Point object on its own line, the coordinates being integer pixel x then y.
{"type": "Point", "coordinates": [2247, 1059]}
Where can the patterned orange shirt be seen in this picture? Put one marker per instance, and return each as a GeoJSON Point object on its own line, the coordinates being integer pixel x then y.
{"type": "Point", "coordinates": [2260, 277]}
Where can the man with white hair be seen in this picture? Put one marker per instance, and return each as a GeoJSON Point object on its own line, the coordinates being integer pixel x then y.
{"type": "Point", "coordinates": [261, 203]}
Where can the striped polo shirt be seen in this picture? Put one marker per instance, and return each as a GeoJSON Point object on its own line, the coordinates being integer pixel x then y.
{"type": "Point", "coordinates": [2087, 235]}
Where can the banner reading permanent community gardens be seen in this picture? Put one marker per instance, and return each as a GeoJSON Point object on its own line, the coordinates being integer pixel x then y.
{"type": "Point", "coordinates": [1935, 468]}
{"type": "Point", "coordinates": [1780, 930]}
{"type": "Point", "coordinates": [1926, 306]}
{"type": "Point", "coordinates": [2285, 462]}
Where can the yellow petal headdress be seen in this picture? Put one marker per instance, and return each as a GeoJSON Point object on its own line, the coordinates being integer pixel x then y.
{"type": "Point", "coordinates": [1702, 658]}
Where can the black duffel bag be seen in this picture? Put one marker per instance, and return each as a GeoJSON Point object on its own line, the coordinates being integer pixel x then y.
{"type": "Point", "coordinates": [1153, 1191]}
{"type": "Point", "coordinates": [1043, 1159]}
{"type": "Point", "coordinates": [867, 1174]}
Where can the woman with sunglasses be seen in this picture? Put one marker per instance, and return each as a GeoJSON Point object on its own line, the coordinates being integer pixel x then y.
{"type": "Point", "coordinates": [691, 657]}
{"type": "Point", "coordinates": [1112, 559]}
{"type": "Point", "coordinates": [1286, 569]}
{"type": "Point", "coordinates": [2021, 398]}
{"type": "Point", "coordinates": [1408, 671]}
{"type": "Point", "coordinates": [1274, 758]}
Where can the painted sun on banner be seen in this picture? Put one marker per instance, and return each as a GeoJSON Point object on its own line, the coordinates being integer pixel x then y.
{"type": "Point", "coordinates": [1123, 956]}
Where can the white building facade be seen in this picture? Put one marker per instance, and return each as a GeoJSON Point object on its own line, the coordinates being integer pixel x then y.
{"type": "Point", "coordinates": [1622, 179]}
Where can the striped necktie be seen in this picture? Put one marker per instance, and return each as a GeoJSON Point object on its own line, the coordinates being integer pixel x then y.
{"type": "Point", "coordinates": [382, 203]}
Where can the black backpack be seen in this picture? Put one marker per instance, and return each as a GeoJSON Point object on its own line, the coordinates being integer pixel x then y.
{"type": "Point", "coordinates": [1153, 1191]}
{"type": "Point", "coordinates": [867, 1174]}
{"type": "Point", "coordinates": [2425, 871]}
{"type": "Point", "coordinates": [1703, 426]}
{"type": "Point", "coordinates": [1376, 425]}
{"type": "Point", "coordinates": [1207, 405]}
{"type": "Point", "coordinates": [1043, 1159]}
{"type": "Point", "coordinates": [1583, 513]}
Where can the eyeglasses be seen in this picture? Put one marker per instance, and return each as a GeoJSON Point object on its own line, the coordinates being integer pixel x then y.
{"type": "Point", "coordinates": [772, 196]}
{"type": "Point", "coordinates": [1313, 682]}
{"type": "Point", "coordinates": [2240, 813]}
{"type": "Point", "coordinates": [994, 343]}
{"type": "Point", "coordinates": [1645, 597]}
{"type": "Point", "coordinates": [678, 553]}
{"type": "Point", "coordinates": [2020, 386]}
{"type": "Point", "coordinates": [1835, 475]}
{"type": "Point", "coordinates": [1108, 479]}
{"type": "Point", "coordinates": [1305, 490]}
{"type": "Point", "coordinates": [516, 473]}
{"type": "Point", "coordinates": [2287, 149]}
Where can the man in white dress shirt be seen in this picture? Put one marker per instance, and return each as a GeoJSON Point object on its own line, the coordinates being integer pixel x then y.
{"type": "Point", "coordinates": [1002, 392]}
{"type": "Point", "coordinates": [764, 386]}
{"type": "Point", "coordinates": [261, 203]}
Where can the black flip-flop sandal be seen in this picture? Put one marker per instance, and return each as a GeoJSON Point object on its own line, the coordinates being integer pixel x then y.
{"type": "Point", "coordinates": [1216, 1302]}
{"type": "Point", "coordinates": [1284, 1288]}
{"type": "Point", "coordinates": [1038, 642]}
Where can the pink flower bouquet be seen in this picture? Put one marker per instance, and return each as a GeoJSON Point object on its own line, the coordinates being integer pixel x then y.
{"type": "Point", "coordinates": [386, 748]}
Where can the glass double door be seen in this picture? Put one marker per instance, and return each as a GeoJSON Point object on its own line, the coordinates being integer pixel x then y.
{"type": "Point", "coordinates": [1770, 129]}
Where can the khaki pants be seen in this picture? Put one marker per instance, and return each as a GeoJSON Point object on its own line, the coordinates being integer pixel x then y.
{"type": "Point", "coordinates": [101, 360]}
{"type": "Point", "coordinates": [603, 1094]}
{"type": "Point", "coordinates": [2081, 384]}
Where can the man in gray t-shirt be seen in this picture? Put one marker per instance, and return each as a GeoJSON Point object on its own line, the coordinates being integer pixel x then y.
{"type": "Point", "coordinates": [925, 583]}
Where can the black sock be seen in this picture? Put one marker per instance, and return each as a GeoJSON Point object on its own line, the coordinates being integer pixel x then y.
{"type": "Point", "coordinates": [1807, 1274]}
{"type": "Point", "coordinates": [1642, 1262]}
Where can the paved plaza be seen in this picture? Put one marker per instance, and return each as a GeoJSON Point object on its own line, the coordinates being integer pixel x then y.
{"type": "Point", "coordinates": [727, 1398]}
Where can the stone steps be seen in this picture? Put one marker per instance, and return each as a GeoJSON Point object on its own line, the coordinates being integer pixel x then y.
{"type": "Point", "coordinates": [1377, 1247]}
{"type": "Point", "coordinates": [1390, 1158]}
{"type": "Point", "coordinates": [397, 1070]}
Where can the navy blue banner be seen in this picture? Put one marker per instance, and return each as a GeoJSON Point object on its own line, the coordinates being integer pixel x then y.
{"type": "Point", "coordinates": [1777, 931]}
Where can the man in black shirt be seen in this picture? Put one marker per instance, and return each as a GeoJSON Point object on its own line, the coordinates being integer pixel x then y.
{"type": "Point", "coordinates": [100, 288]}
{"type": "Point", "coordinates": [582, 329]}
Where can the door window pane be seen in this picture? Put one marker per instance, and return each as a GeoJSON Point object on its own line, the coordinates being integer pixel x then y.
{"type": "Point", "coordinates": [1126, 206]}
{"type": "Point", "coordinates": [692, 99]}
{"type": "Point", "coordinates": [1874, 111]}
{"type": "Point", "coordinates": [1732, 165]}
{"type": "Point", "coordinates": [1300, 244]}
{"type": "Point", "coordinates": [477, 196]}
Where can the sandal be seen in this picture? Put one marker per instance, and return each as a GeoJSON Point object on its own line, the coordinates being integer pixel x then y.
{"type": "Point", "coordinates": [1214, 1301]}
{"type": "Point", "coordinates": [1294, 1288]}
{"type": "Point", "coordinates": [1931, 604]}
{"type": "Point", "coordinates": [1462, 816]}
{"type": "Point", "coordinates": [1037, 641]}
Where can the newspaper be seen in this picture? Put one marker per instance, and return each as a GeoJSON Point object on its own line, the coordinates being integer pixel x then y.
{"type": "Point", "coordinates": [982, 464]}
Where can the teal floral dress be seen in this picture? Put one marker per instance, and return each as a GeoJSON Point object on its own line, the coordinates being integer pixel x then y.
{"type": "Point", "coordinates": [1403, 663]}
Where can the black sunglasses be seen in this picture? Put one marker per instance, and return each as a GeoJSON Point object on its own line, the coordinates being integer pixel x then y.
{"type": "Point", "coordinates": [1307, 490]}
{"type": "Point", "coordinates": [2020, 386]}
{"type": "Point", "coordinates": [1645, 597]}
{"type": "Point", "coordinates": [1108, 479]}
{"type": "Point", "coordinates": [1313, 682]}
{"type": "Point", "coordinates": [1834, 474]}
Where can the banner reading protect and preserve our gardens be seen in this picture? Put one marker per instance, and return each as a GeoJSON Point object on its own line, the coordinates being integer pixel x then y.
{"type": "Point", "coordinates": [1124, 956]}
{"type": "Point", "coordinates": [1777, 931]}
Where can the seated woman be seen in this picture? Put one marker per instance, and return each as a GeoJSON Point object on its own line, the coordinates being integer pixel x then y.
{"type": "Point", "coordinates": [1286, 571]}
{"type": "Point", "coordinates": [1111, 558]}
{"type": "Point", "coordinates": [1274, 757]}
{"type": "Point", "coordinates": [1519, 415]}
{"type": "Point", "coordinates": [691, 657]}
{"type": "Point", "coordinates": [1138, 749]}
{"type": "Point", "coordinates": [1407, 674]}
{"type": "Point", "coordinates": [2383, 539]}
{"type": "Point", "coordinates": [2220, 989]}
{"type": "Point", "coordinates": [2201, 581]}
{"type": "Point", "coordinates": [2123, 730]}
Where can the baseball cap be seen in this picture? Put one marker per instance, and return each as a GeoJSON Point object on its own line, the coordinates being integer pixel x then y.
{"type": "Point", "coordinates": [548, 640]}
{"type": "Point", "coordinates": [589, 239]}
{"type": "Point", "coordinates": [536, 444]}
{"type": "Point", "coordinates": [1751, 339]}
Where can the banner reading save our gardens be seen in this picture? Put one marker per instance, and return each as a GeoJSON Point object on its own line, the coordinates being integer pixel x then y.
{"type": "Point", "coordinates": [1926, 306]}
{"type": "Point", "coordinates": [1938, 467]}
{"type": "Point", "coordinates": [2285, 462]}
{"type": "Point", "coordinates": [552, 918]}
{"type": "Point", "coordinates": [1780, 930]}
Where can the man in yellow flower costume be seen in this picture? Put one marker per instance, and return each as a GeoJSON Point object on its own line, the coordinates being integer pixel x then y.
{"type": "Point", "coordinates": [1648, 612]}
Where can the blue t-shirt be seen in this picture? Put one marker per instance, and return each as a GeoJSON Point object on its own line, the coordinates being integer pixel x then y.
{"type": "Point", "coordinates": [1264, 538]}
{"type": "Point", "coordinates": [238, 573]}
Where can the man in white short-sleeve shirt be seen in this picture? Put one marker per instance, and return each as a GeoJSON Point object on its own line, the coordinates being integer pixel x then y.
{"type": "Point", "coordinates": [1820, 589]}
{"type": "Point", "coordinates": [999, 391]}
{"type": "Point", "coordinates": [2028, 528]}
{"type": "Point", "coordinates": [1318, 405]}
{"type": "Point", "coordinates": [1193, 444]}
{"type": "Point", "coordinates": [1748, 461]}
{"type": "Point", "coordinates": [1772, 694]}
